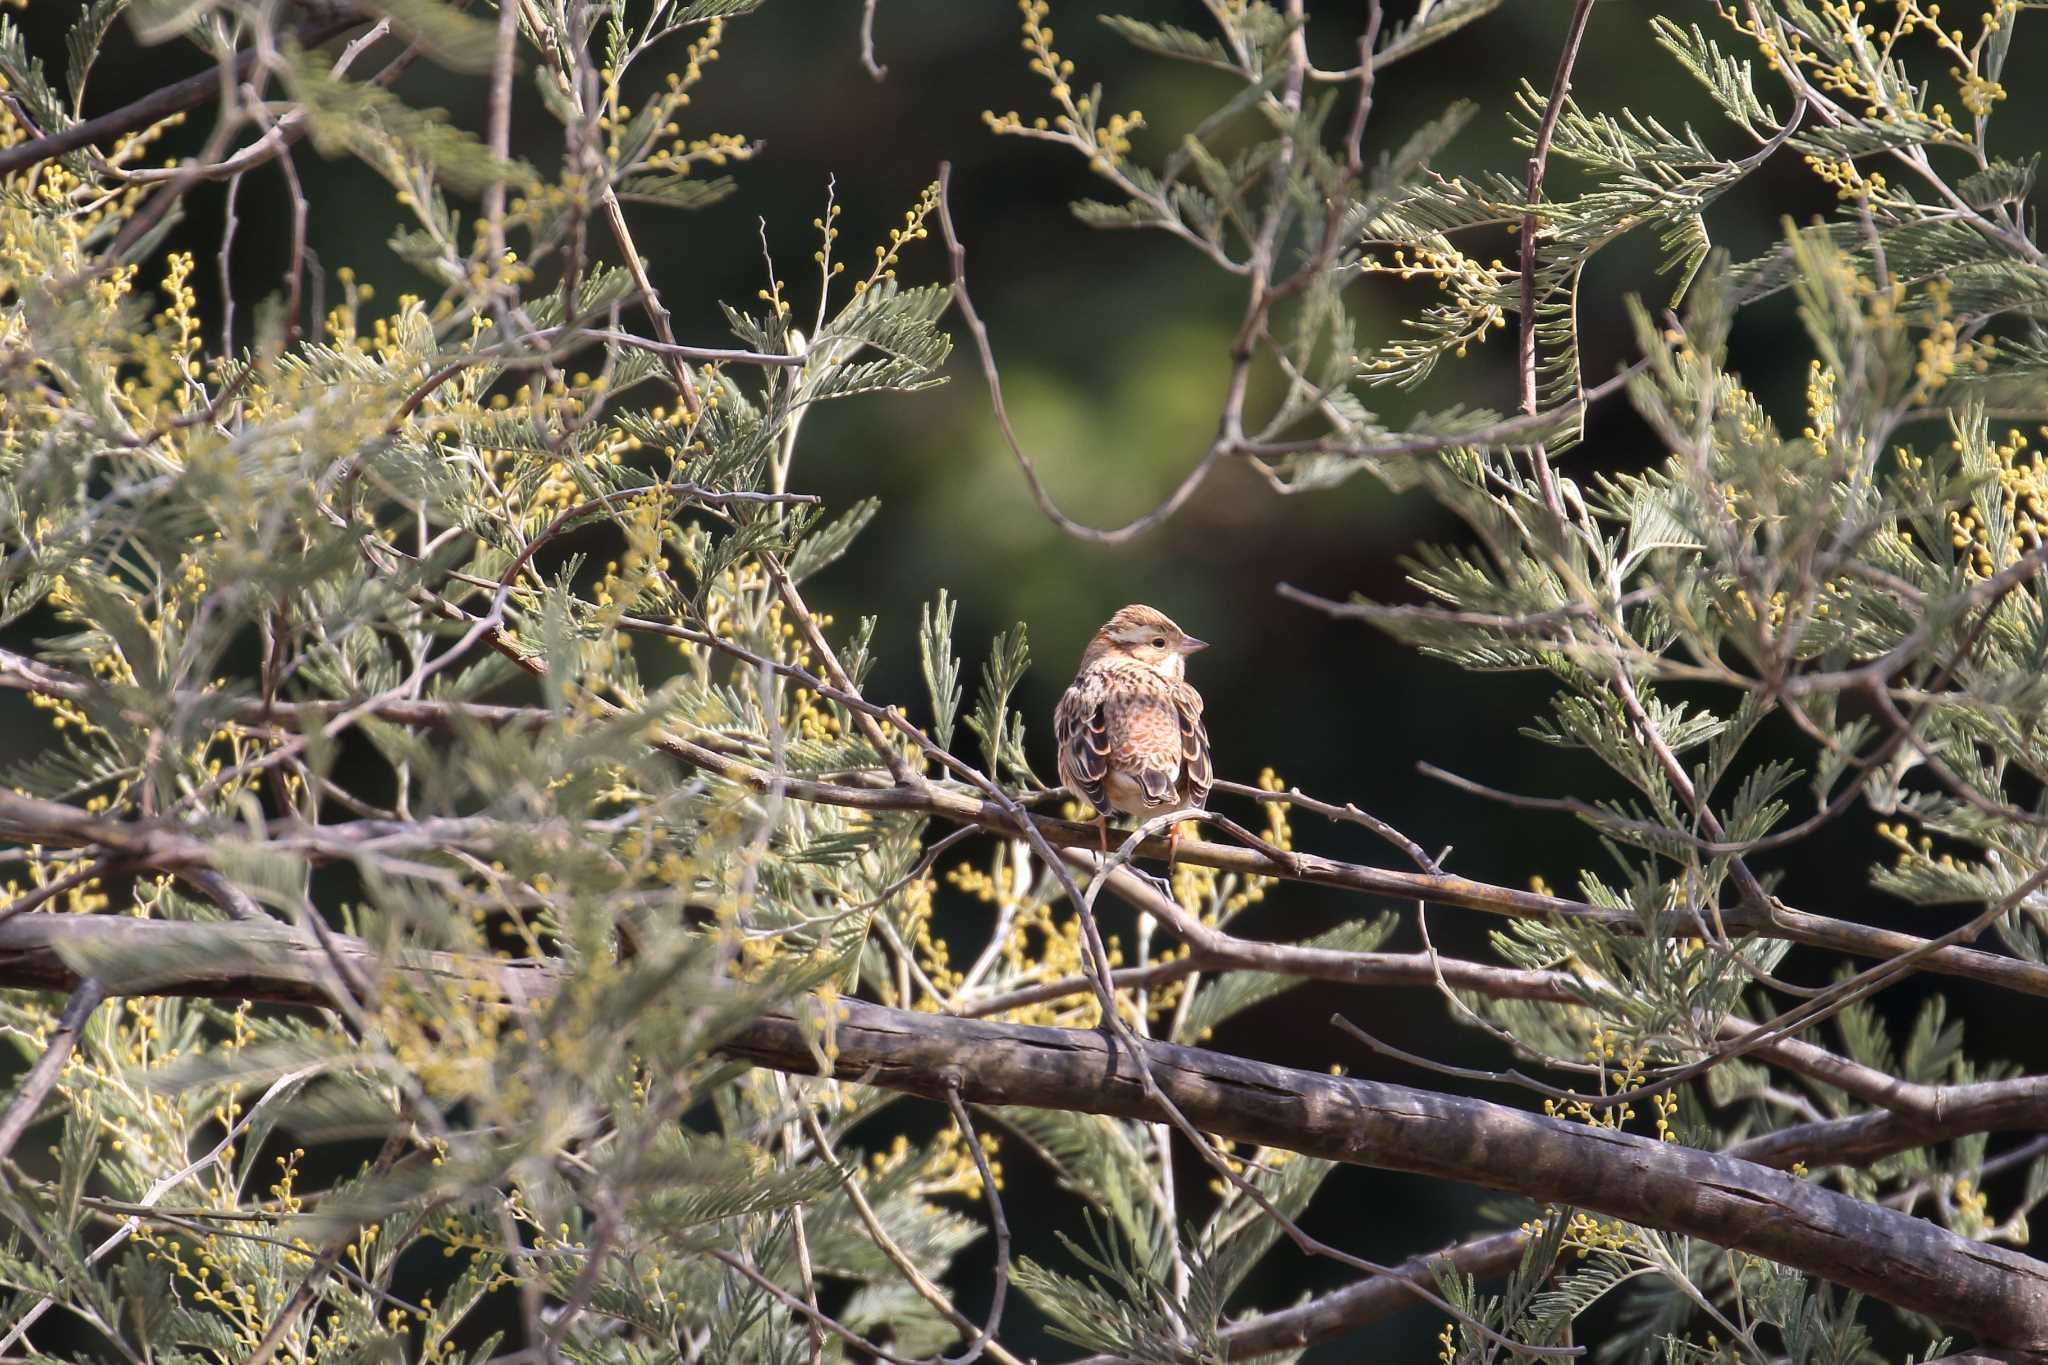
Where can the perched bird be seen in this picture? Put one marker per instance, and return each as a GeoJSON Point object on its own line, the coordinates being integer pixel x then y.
{"type": "Point", "coordinates": [1130, 728]}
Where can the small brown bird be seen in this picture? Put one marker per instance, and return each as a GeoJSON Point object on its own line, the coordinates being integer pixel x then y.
{"type": "Point", "coordinates": [1130, 728]}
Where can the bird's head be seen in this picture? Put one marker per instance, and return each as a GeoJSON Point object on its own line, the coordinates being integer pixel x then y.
{"type": "Point", "coordinates": [1147, 635]}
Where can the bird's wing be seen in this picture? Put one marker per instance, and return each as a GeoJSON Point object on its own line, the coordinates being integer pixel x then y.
{"type": "Point", "coordinates": [1197, 776]}
{"type": "Point", "coordinates": [1080, 730]}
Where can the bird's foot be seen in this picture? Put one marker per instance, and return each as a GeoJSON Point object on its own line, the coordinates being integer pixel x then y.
{"type": "Point", "coordinates": [1163, 885]}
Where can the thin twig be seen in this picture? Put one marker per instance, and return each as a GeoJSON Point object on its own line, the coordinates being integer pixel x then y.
{"type": "Point", "coordinates": [1173, 502]}
{"type": "Point", "coordinates": [905, 1265]}
{"type": "Point", "coordinates": [21, 1110]}
{"type": "Point", "coordinates": [1532, 196]}
{"type": "Point", "coordinates": [1001, 1225]}
{"type": "Point", "coordinates": [686, 388]}
{"type": "Point", "coordinates": [201, 88]}
{"type": "Point", "coordinates": [867, 41]}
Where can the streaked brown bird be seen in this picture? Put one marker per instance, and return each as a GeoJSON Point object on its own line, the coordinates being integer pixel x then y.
{"type": "Point", "coordinates": [1129, 728]}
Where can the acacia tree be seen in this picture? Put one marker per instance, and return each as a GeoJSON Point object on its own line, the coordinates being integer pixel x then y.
{"type": "Point", "coordinates": [599, 898]}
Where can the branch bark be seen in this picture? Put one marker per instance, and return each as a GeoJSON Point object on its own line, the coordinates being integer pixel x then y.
{"type": "Point", "coordinates": [1995, 1294]}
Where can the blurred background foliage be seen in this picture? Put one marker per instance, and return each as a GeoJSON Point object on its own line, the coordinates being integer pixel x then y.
{"type": "Point", "coordinates": [1113, 348]}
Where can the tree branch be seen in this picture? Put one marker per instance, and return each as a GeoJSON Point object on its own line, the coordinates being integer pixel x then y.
{"type": "Point", "coordinates": [21, 1110]}
{"type": "Point", "coordinates": [1356, 1305]}
{"type": "Point", "coordinates": [52, 823]}
{"type": "Point", "coordinates": [200, 88]}
{"type": "Point", "coordinates": [1994, 1293]}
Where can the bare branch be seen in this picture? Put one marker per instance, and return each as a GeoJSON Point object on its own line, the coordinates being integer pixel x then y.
{"type": "Point", "coordinates": [201, 88]}
{"type": "Point", "coordinates": [1996, 1294]}
{"type": "Point", "coordinates": [1360, 1304]}
{"type": "Point", "coordinates": [21, 1110]}
{"type": "Point", "coordinates": [993, 377]}
{"type": "Point", "coordinates": [867, 40]}
{"type": "Point", "coordinates": [178, 846]}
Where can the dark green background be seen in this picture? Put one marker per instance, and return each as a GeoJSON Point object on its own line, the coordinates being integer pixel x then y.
{"type": "Point", "coordinates": [1114, 351]}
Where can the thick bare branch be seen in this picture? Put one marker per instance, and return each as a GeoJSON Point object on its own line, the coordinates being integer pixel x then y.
{"type": "Point", "coordinates": [1996, 1294]}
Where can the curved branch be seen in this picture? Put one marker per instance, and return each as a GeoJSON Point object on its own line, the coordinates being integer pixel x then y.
{"type": "Point", "coordinates": [1996, 1294]}
{"type": "Point", "coordinates": [1116, 535]}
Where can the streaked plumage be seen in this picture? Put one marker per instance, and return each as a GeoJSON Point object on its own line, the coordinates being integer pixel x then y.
{"type": "Point", "coordinates": [1129, 728]}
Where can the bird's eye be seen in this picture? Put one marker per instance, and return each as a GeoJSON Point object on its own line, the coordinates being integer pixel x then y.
{"type": "Point", "coordinates": [1159, 642]}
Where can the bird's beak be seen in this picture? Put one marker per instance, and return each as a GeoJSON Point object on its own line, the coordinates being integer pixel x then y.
{"type": "Point", "coordinates": [1190, 645]}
